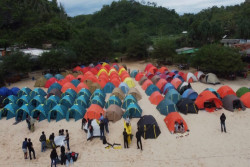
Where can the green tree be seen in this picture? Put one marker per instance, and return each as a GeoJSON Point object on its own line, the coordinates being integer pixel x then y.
{"type": "Point", "coordinates": [218, 59]}
{"type": "Point", "coordinates": [164, 49]}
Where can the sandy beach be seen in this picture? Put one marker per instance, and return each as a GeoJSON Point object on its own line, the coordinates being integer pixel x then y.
{"type": "Point", "coordinates": [205, 146]}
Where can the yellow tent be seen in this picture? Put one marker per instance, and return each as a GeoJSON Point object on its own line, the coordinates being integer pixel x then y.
{"type": "Point", "coordinates": [121, 70]}
{"type": "Point", "coordinates": [112, 70]}
{"type": "Point", "coordinates": [104, 64]}
{"type": "Point", "coordinates": [102, 70]}
{"type": "Point", "coordinates": [129, 81]}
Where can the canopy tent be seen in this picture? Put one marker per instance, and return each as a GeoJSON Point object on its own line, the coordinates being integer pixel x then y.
{"type": "Point", "coordinates": [93, 112]}
{"type": "Point", "coordinates": [151, 89]}
{"type": "Point", "coordinates": [232, 102]}
{"type": "Point", "coordinates": [113, 100]}
{"type": "Point", "coordinates": [186, 106]}
{"type": "Point", "coordinates": [109, 87]}
{"type": "Point", "coordinates": [54, 85]}
{"type": "Point", "coordinates": [40, 82]}
{"type": "Point", "coordinates": [166, 106]}
{"type": "Point", "coordinates": [133, 111]}
{"type": "Point", "coordinates": [173, 117]}
{"type": "Point", "coordinates": [128, 99]}
{"type": "Point", "coordinates": [210, 78]}
{"type": "Point", "coordinates": [58, 113]}
{"type": "Point", "coordinates": [173, 95]}
{"type": "Point", "coordinates": [208, 101]}
{"type": "Point", "coordinates": [76, 111]}
{"type": "Point", "coordinates": [23, 100]}
{"type": "Point", "coordinates": [9, 110]}
{"type": "Point", "coordinates": [225, 90]}
{"type": "Point", "coordinates": [119, 93]}
{"type": "Point", "coordinates": [146, 84]}
{"type": "Point", "coordinates": [143, 79]}
{"type": "Point", "coordinates": [190, 94]}
{"type": "Point", "coordinates": [96, 129]}
{"type": "Point", "coordinates": [156, 98]}
{"type": "Point", "coordinates": [167, 87]}
{"type": "Point", "coordinates": [71, 92]}
{"type": "Point", "coordinates": [56, 92]}
{"type": "Point", "coordinates": [37, 100]}
{"type": "Point", "coordinates": [24, 91]}
{"type": "Point", "coordinates": [52, 101]}
{"type": "Point", "coordinates": [245, 99]}
{"type": "Point", "coordinates": [135, 93]}
{"type": "Point", "coordinates": [40, 111]}
{"type": "Point", "coordinates": [67, 101]}
{"type": "Point", "coordinates": [113, 113]}
{"type": "Point", "coordinates": [241, 91]}
{"type": "Point", "coordinates": [23, 111]}
{"type": "Point", "coordinates": [148, 127]}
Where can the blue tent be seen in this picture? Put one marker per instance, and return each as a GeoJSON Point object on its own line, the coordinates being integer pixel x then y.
{"type": "Point", "coordinates": [133, 110]}
{"type": "Point", "coordinates": [124, 87]}
{"type": "Point", "coordinates": [99, 92]}
{"type": "Point", "coordinates": [166, 106]}
{"type": "Point", "coordinates": [98, 100]}
{"type": "Point", "coordinates": [23, 111]}
{"type": "Point", "coordinates": [37, 91]}
{"type": "Point", "coordinates": [59, 77]}
{"type": "Point", "coordinates": [9, 110]}
{"type": "Point", "coordinates": [10, 99]}
{"type": "Point", "coordinates": [134, 73]}
{"type": "Point", "coordinates": [82, 66]}
{"type": "Point", "coordinates": [167, 87]}
{"type": "Point", "coordinates": [37, 100]}
{"type": "Point", "coordinates": [128, 99]}
{"type": "Point", "coordinates": [52, 101]}
{"type": "Point", "coordinates": [76, 111]}
{"type": "Point", "coordinates": [81, 100]}
{"type": "Point", "coordinates": [84, 91]}
{"type": "Point", "coordinates": [48, 76]}
{"type": "Point", "coordinates": [58, 112]}
{"type": "Point", "coordinates": [67, 101]}
{"type": "Point", "coordinates": [151, 89]}
{"type": "Point", "coordinates": [5, 91]}
{"type": "Point", "coordinates": [54, 85]}
{"type": "Point", "coordinates": [214, 92]}
{"type": "Point", "coordinates": [116, 67]}
{"type": "Point", "coordinates": [178, 76]}
{"type": "Point", "coordinates": [75, 82]}
{"type": "Point", "coordinates": [190, 94]}
{"type": "Point", "coordinates": [24, 91]}
{"type": "Point", "coordinates": [40, 111]}
{"type": "Point", "coordinates": [14, 91]}
{"type": "Point", "coordinates": [108, 88]}
{"type": "Point", "coordinates": [113, 100]}
{"type": "Point", "coordinates": [70, 92]}
{"type": "Point", "coordinates": [173, 95]}
{"type": "Point", "coordinates": [175, 71]}
{"type": "Point", "coordinates": [25, 99]}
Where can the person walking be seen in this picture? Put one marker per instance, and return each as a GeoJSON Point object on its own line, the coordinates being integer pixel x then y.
{"type": "Point", "coordinates": [222, 122]}
{"type": "Point", "coordinates": [31, 149]}
{"type": "Point", "coordinates": [138, 137]}
{"type": "Point", "coordinates": [67, 139]}
{"type": "Point", "coordinates": [53, 157]}
{"type": "Point", "coordinates": [125, 138]}
{"type": "Point", "coordinates": [43, 142]}
{"type": "Point", "coordinates": [24, 147]}
{"type": "Point", "coordinates": [101, 129]}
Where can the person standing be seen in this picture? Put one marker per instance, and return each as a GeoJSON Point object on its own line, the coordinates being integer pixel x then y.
{"type": "Point", "coordinates": [24, 147]}
{"type": "Point", "coordinates": [51, 139]}
{"type": "Point", "coordinates": [101, 129]}
{"type": "Point", "coordinates": [63, 156]}
{"type": "Point", "coordinates": [53, 157]}
{"type": "Point", "coordinates": [31, 149]}
{"type": "Point", "coordinates": [43, 142]}
{"type": "Point", "coordinates": [83, 122]}
{"type": "Point", "coordinates": [28, 121]}
{"type": "Point", "coordinates": [101, 117]}
{"type": "Point", "coordinates": [125, 138]}
{"type": "Point", "coordinates": [67, 139]}
{"type": "Point", "coordinates": [222, 122]}
{"type": "Point", "coordinates": [138, 137]}
{"type": "Point", "coordinates": [106, 124]}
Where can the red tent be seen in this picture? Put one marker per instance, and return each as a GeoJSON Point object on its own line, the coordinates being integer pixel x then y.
{"type": "Point", "coordinates": [70, 77]}
{"type": "Point", "coordinates": [115, 81]}
{"type": "Point", "coordinates": [77, 68]}
{"type": "Point", "coordinates": [139, 76]}
{"type": "Point", "coordinates": [63, 81]}
{"type": "Point", "coordinates": [163, 69]}
{"type": "Point", "coordinates": [156, 98]}
{"type": "Point", "coordinates": [94, 71]}
{"type": "Point", "coordinates": [173, 117]}
{"type": "Point", "coordinates": [152, 70]}
{"type": "Point", "coordinates": [176, 82]}
{"type": "Point", "coordinates": [225, 90]}
{"type": "Point", "coordinates": [50, 82]}
{"type": "Point", "coordinates": [93, 112]}
{"type": "Point", "coordinates": [68, 85]}
{"type": "Point", "coordinates": [81, 86]}
{"type": "Point", "coordinates": [146, 84]}
{"type": "Point", "coordinates": [148, 66]}
{"type": "Point", "coordinates": [246, 99]}
{"type": "Point", "coordinates": [161, 83]}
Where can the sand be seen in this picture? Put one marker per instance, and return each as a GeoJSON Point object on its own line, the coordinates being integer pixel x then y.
{"type": "Point", "coordinates": [205, 145]}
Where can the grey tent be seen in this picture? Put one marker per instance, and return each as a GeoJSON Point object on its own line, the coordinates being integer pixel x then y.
{"type": "Point", "coordinates": [142, 80]}
{"type": "Point", "coordinates": [210, 78]}
{"type": "Point", "coordinates": [119, 93]}
{"type": "Point", "coordinates": [135, 93]}
{"type": "Point", "coordinates": [155, 79]}
{"type": "Point", "coordinates": [113, 113]}
{"type": "Point", "coordinates": [55, 92]}
{"type": "Point", "coordinates": [232, 102]}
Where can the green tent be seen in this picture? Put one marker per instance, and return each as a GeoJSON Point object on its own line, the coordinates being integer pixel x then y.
{"type": "Point", "coordinates": [242, 91]}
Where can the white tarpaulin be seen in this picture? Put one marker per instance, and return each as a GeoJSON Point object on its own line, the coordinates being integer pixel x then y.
{"type": "Point", "coordinates": [96, 129]}
{"type": "Point", "coordinates": [59, 140]}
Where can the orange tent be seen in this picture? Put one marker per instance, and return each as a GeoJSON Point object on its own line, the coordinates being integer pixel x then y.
{"type": "Point", "coordinates": [152, 70]}
{"type": "Point", "coordinates": [102, 82]}
{"type": "Point", "coordinates": [63, 81]}
{"type": "Point", "coordinates": [139, 76]}
{"type": "Point", "coordinates": [91, 78]}
{"type": "Point", "coordinates": [70, 77]}
{"type": "Point", "coordinates": [80, 77]}
{"type": "Point", "coordinates": [161, 83]}
{"type": "Point", "coordinates": [246, 99]}
{"type": "Point", "coordinates": [173, 117]}
{"type": "Point", "coordinates": [85, 69]}
{"type": "Point", "coordinates": [176, 82]}
{"type": "Point", "coordinates": [103, 77]}
{"type": "Point", "coordinates": [146, 84]}
{"type": "Point", "coordinates": [94, 71]}
{"type": "Point", "coordinates": [115, 81]}
{"type": "Point", "coordinates": [77, 68]}
{"type": "Point", "coordinates": [124, 76]}
{"type": "Point", "coordinates": [206, 97]}
{"type": "Point", "coordinates": [114, 74]}
{"type": "Point", "coordinates": [148, 66]}
{"type": "Point", "coordinates": [163, 69]}
{"type": "Point", "coordinates": [68, 85]}
{"type": "Point", "coordinates": [81, 86]}
{"type": "Point", "coordinates": [225, 90]}
{"type": "Point", "coordinates": [94, 112]}
{"type": "Point", "coordinates": [156, 98]}
{"type": "Point", "coordinates": [50, 82]}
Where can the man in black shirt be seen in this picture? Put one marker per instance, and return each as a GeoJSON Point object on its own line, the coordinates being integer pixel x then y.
{"type": "Point", "coordinates": [31, 149]}
{"type": "Point", "coordinates": [138, 137]}
{"type": "Point", "coordinates": [101, 129]}
{"type": "Point", "coordinates": [53, 157]}
{"type": "Point", "coordinates": [125, 137]}
{"type": "Point", "coordinates": [67, 139]}
{"type": "Point", "coordinates": [43, 142]}
{"type": "Point", "coordinates": [51, 139]}
{"type": "Point", "coordinates": [222, 122]}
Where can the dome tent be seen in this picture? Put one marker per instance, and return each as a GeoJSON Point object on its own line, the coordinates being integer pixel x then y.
{"type": "Point", "coordinates": [57, 113]}
{"type": "Point", "coordinates": [76, 111]}
{"type": "Point", "coordinates": [128, 99]}
{"type": "Point", "coordinates": [113, 113]}
{"type": "Point", "coordinates": [41, 111]}
{"type": "Point", "coordinates": [186, 106]}
{"type": "Point", "coordinates": [232, 102]}
{"type": "Point", "coordinates": [133, 110]}
{"type": "Point", "coordinates": [173, 117]}
{"type": "Point", "coordinates": [166, 106]}
{"type": "Point", "coordinates": [113, 100]}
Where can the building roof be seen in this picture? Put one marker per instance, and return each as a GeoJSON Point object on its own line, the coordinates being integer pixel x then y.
{"type": "Point", "coordinates": [230, 41]}
{"type": "Point", "coordinates": [186, 50]}
{"type": "Point", "coordinates": [35, 53]}
{"type": "Point", "coordinates": [242, 47]}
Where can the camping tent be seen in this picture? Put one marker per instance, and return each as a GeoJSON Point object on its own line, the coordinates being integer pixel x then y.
{"type": "Point", "coordinates": [67, 101]}
{"type": "Point", "coordinates": [161, 83]}
{"type": "Point", "coordinates": [232, 102]}
{"type": "Point", "coordinates": [52, 101]}
{"type": "Point", "coordinates": [241, 91]}
{"type": "Point", "coordinates": [113, 100]}
{"type": "Point", "coordinates": [81, 86]}
{"type": "Point", "coordinates": [134, 73]}
{"type": "Point", "coordinates": [173, 117]}
{"type": "Point", "coordinates": [67, 86]}
{"type": "Point", "coordinates": [71, 92]}
{"type": "Point", "coordinates": [148, 127]}
{"type": "Point", "coordinates": [37, 91]}
{"type": "Point", "coordinates": [151, 89]}
{"type": "Point", "coordinates": [113, 113]}
{"type": "Point", "coordinates": [156, 98]}
{"type": "Point", "coordinates": [109, 87]}
{"type": "Point", "coordinates": [93, 112]}
{"type": "Point", "coordinates": [135, 93]}
{"type": "Point", "coordinates": [199, 75]}
{"type": "Point", "coordinates": [184, 86]}
{"type": "Point", "coordinates": [119, 93]}
{"type": "Point", "coordinates": [59, 76]}
{"type": "Point", "coordinates": [40, 82]}
{"type": "Point", "coordinates": [14, 91]}
{"type": "Point", "coordinates": [9, 110]}
{"type": "Point", "coordinates": [48, 76]}
{"type": "Point", "coordinates": [167, 87]}
{"type": "Point", "coordinates": [210, 78]}
{"type": "Point", "coordinates": [166, 106]}
{"type": "Point", "coordinates": [180, 77]}
{"type": "Point", "coordinates": [190, 94]}
{"type": "Point", "coordinates": [245, 99]}
{"type": "Point", "coordinates": [173, 95]}
{"type": "Point", "coordinates": [37, 100]}
{"type": "Point", "coordinates": [155, 79]}
{"type": "Point", "coordinates": [96, 129]}
{"type": "Point", "coordinates": [58, 112]}
{"type": "Point", "coordinates": [142, 80]}
{"type": "Point", "coordinates": [139, 76]}
{"type": "Point", "coordinates": [186, 105]}
{"type": "Point", "coordinates": [54, 85]}
{"type": "Point", "coordinates": [124, 87]}
{"type": "Point", "coordinates": [129, 81]}
{"type": "Point", "coordinates": [190, 77]}
{"type": "Point", "coordinates": [128, 99]}
{"type": "Point", "coordinates": [98, 100]}
{"type": "Point", "coordinates": [10, 99]}
{"type": "Point", "coordinates": [56, 92]}
{"type": "Point", "coordinates": [214, 92]}
{"type": "Point", "coordinates": [163, 69]}
{"type": "Point", "coordinates": [23, 111]}
{"type": "Point", "coordinates": [24, 91]}
{"type": "Point", "coordinates": [75, 82]}
{"type": "Point", "coordinates": [146, 84]}
{"type": "Point", "coordinates": [84, 92]}
{"type": "Point", "coordinates": [50, 82]}
{"type": "Point", "coordinates": [208, 101]}
{"type": "Point", "coordinates": [99, 92]}
{"type": "Point", "coordinates": [76, 111]}
{"type": "Point", "coordinates": [94, 86]}
{"type": "Point", "coordinates": [176, 82]}
{"type": "Point", "coordinates": [133, 111]}
{"type": "Point", "coordinates": [225, 90]}
{"type": "Point", "coordinates": [40, 111]}
{"type": "Point", "coordinates": [23, 100]}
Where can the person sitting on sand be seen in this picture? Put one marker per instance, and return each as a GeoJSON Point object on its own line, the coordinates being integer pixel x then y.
{"type": "Point", "coordinates": [91, 130]}
{"type": "Point", "coordinates": [176, 127]}
{"type": "Point", "coordinates": [84, 121]}
{"type": "Point", "coordinates": [182, 129]}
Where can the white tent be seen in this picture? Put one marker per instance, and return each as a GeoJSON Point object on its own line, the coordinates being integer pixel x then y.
{"type": "Point", "coordinates": [96, 129]}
